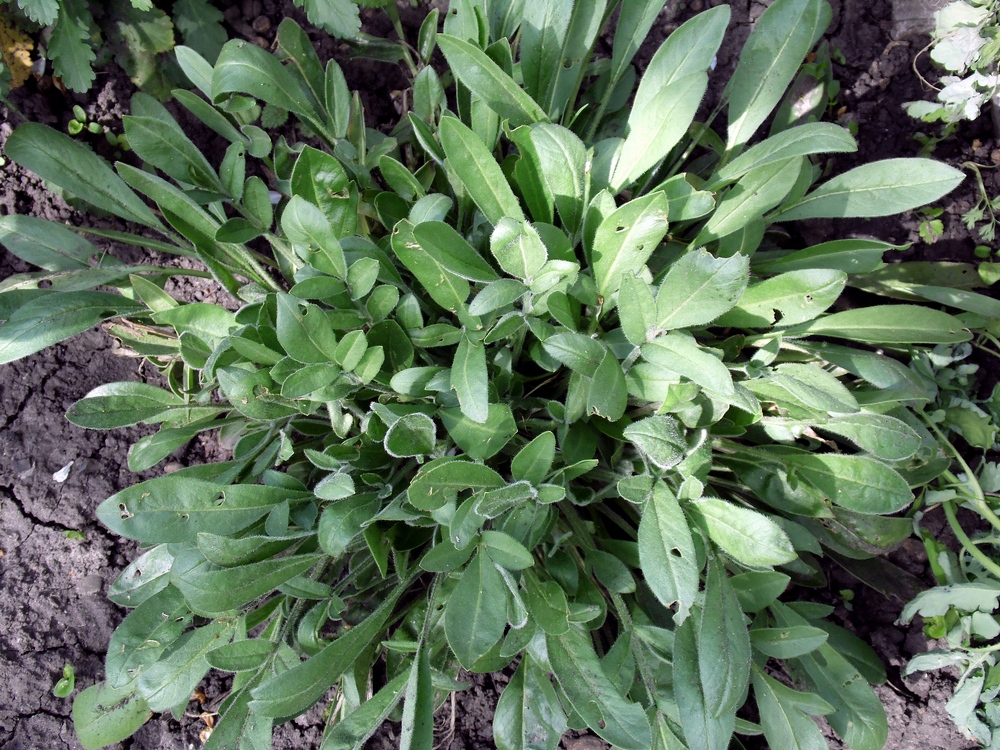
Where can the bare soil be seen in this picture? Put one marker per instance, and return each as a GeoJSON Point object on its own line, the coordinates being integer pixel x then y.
{"type": "Point", "coordinates": [52, 605]}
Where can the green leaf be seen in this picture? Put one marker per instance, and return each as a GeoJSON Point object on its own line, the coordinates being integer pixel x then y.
{"type": "Point", "coordinates": [528, 715]}
{"type": "Point", "coordinates": [592, 694]}
{"type": "Point", "coordinates": [887, 324]}
{"type": "Point", "coordinates": [353, 730]}
{"type": "Point", "coordinates": [784, 714]}
{"type": "Point", "coordinates": [885, 437]}
{"type": "Point", "coordinates": [42, 12]}
{"type": "Point", "coordinates": [859, 717]}
{"type": "Point", "coordinates": [103, 715]}
{"type": "Point", "coordinates": [756, 589]}
{"type": "Point", "coordinates": [518, 248]}
{"type": "Point", "coordinates": [666, 552]}
{"type": "Point", "coordinates": [534, 461]}
{"type": "Point", "coordinates": [418, 706]}
{"type": "Point", "coordinates": [480, 440]}
{"type": "Point", "coordinates": [756, 193]}
{"type": "Point", "coordinates": [49, 319]}
{"type": "Point", "coordinates": [577, 351]}
{"type": "Point", "coordinates": [306, 336]}
{"type": "Point", "coordinates": [657, 124]}
{"type": "Point", "coordinates": [292, 692]}
{"type": "Point", "coordinates": [636, 309]}
{"type": "Point", "coordinates": [625, 240]}
{"type": "Point", "coordinates": [489, 82]}
{"type": "Point", "coordinates": [559, 160]}
{"type": "Point", "coordinates": [476, 613]}
{"type": "Point", "coordinates": [171, 680]}
{"type": "Point", "coordinates": [175, 507]}
{"type": "Point", "coordinates": [543, 31]}
{"type": "Point", "coordinates": [723, 645]}
{"type": "Point", "coordinates": [680, 353]}
{"type": "Point", "coordinates": [200, 26]}
{"type": "Point", "coordinates": [341, 18]}
{"type": "Point", "coordinates": [789, 298]}
{"type": "Point", "coordinates": [607, 395]}
{"type": "Point", "coordinates": [411, 435]}
{"type": "Point", "coordinates": [749, 537]}
{"type": "Point", "coordinates": [478, 172]}
{"type": "Point", "coordinates": [469, 380]}
{"type": "Point", "coordinates": [786, 643]}
{"type": "Point", "coordinates": [859, 483]}
{"type": "Point", "coordinates": [319, 178]}
{"type": "Point", "coordinates": [635, 19]}
{"type": "Point", "coordinates": [497, 295]}
{"type": "Point", "coordinates": [165, 146]}
{"type": "Point", "coordinates": [47, 244]}
{"type": "Point", "coordinates": [659, 439]}
{"type": "Point", "coordinates": [142, 578]}
{"type": "Point", "coordinates": [307, 226]}
{"type": "Point", "coordinates": [247, 69]}
{"type": "Point", "coordinates": [444, 287]}
{"type": "Point", "coordinates": [144, 634]}
{"type": "Point", "coordinates": [782, 36]}
{"type": "Point", "coordinates": [72, 166]}
{"type": "Point", "coordinates": [856, 256]}
{"type": "Point", "coordinates": [703, 729]}
{"type": "Point", "coordinates": [698, 288]}
{"type": "Point", "coordinates": [881, 188]}
{"type": "Point", "coordinates": [122, 404]}
{"type": "Point", "coordinates": [810, 138]}
{"type": "Point", "coordinates": [444, 477]}
{"type": "Point", "coordinates": [449, 249]}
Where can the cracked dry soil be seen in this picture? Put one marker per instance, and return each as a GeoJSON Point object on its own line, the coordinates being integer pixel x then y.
{"type": "Point", "coordinates": [53, 608]}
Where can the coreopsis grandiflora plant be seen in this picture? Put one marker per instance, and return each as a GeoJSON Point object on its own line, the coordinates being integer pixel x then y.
{"type": "Point", "coordinates": [533, 384]}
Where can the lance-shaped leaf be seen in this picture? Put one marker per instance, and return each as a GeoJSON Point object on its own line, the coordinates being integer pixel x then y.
{"type": "Point", "coordinates": [489, 82]}
{"type": "Point", "coordinates": [480, 440]}
{"type": "Point", "coordinates": [810, 138]}
{"type": "Point", "coordinates": [783, 35]}
{"type": "Point", "coordinates": [166, 147]}
{"type": "Point", "coordinates": [560, 159]}
{"type": "Point", "coordinates": [885, 437]}
{"type": "Point", "coordinates": [660, 440]}
{"type": "Point", "coordinates": [292, 692]}
{"type": "Point", "coordinates": [309, 228]}
{"type": "Point", "coordinates": [666, 552]}
{"type": "Point", "coordinates": [49, 319]}
{"type": "Point", "coordinates": [723, 645]}
{"type": "Point", "coordinates": [65, 162]}
{"type": "Point", "coordinates": [624, 240]}
{"type": "Point", "coordinates": [887, 324]}
{"type": "Point", "coordinates": [792, 297]}
{"type": "Point", "coordinates": [418, 707]}
{"type": "Point", "coordinates": [543, 31]}
{"type": "Point", "coordinates": [518, 248]}
{"type": "Point", "coordinates": [656, 126]}
{"type": "Point", "coordinates": [703, 730]}
{"type": "Point", "coordinates": [354, 729]}
{"type": "Point", "coordinates": [247, 69]}
{"type": "Point", "coordinates": [784, 714]}
{"type": "Point", "coordinates": [46, 244]}
{"type": "Point", "coordinates": [592, 694]}
{"type": "Point", "coordinates": [444, 287]}
{"type": "Point", "coordinates": [450, 250]}
{"type": "Point", "coordinates": [103, 715]}
{"type": "Point", "coordinates": [175, 507]}
{"type": "Point", "coordinates": [528, 715]}
{"type": "Point", "coordinates": [476, 614]}
{"type": "Point", "coordinates": [859, 483]}
{"type": "Point", "coordinates": [171, 680]}
{"type": "Point", "coordinates": [480, 175]}
{"type": "Point", "coordinates": [680, 353]}
{"type": "Point", "coordinates": [469, 380]}
{"type": "Point", "coordinates": [698, 288]}
{"type": "Point", "coordinates": [881, 188]}
{"type": "Point", "coordinates": [756, 193]}
{"type": "Point", "coordinates": [122, 404]}
{"type": "Point", "coordinates": [213, 590]}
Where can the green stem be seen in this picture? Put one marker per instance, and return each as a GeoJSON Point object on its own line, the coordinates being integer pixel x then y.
{"type": "Point", "coordinates": [968, 544]}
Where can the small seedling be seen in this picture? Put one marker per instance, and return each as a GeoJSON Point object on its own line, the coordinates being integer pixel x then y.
{"type": "Point", "coordinates": [67, 683]}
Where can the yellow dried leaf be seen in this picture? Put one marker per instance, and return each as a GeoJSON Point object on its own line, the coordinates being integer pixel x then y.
{"type": "Point", "coordinates": [15, 48]}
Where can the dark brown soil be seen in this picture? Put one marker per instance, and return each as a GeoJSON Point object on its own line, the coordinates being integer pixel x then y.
{"type": "Point", "coordinates": [52, 604]}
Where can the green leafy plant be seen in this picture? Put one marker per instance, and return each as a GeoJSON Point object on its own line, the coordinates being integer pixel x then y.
{"type": "Point", "coordinates": [965, 43]}
{"type": "Point", "coordinates": [963, 608]}
{"type": "Point", "coordinates": [533, 380]}
{"type": "Point", "coordinates": [67, 683]}
{"type": "Point", "coordinates": [137, 33]}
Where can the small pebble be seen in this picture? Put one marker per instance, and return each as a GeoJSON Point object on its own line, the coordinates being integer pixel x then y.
{"type": "Point", "coordinates": [171, 467]}
{"type": "Point", "coordinates": [252, 8]}
{"type": "Point", "coordinates": [261, 42]}
{"type": "Point", "coordinates": [696, 5]}
{"type": "Point", "coordinates": [261, 24]}
{"type": "Point", "coordinates": [90, 585]}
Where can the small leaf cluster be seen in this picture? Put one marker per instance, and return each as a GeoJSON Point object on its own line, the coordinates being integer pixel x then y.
{"type": "Point", "coordinates": [534, 378]}
{"type": "Point", "coordinates": [81, 35]}
{"type": "Point", "coordinates": [965, 43]}
{"type": "Point", "coordinates": [962, 610]}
